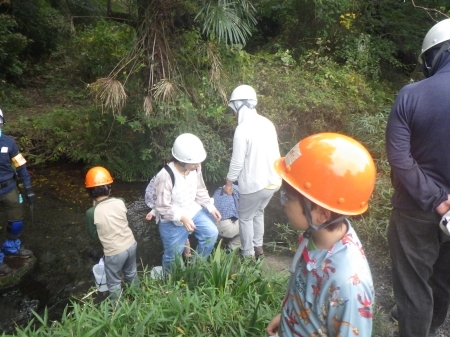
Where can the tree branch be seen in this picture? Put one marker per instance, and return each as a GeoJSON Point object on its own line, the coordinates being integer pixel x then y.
{"type": "Point", "coordinates": [428, 10]}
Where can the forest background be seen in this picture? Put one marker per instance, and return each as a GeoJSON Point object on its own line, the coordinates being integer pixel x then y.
{"type": "Point", "coordinates": [113, 82]}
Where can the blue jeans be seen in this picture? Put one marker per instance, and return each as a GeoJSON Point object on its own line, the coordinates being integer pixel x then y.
{"type": "Point", "coordinates": [174, 237]}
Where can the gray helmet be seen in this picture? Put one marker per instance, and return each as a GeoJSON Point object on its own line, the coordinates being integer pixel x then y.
{"type": "Point", "coordinates": [439, 33]}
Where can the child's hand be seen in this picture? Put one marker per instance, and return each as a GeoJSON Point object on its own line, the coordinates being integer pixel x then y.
{"type": "Point", "coordinates": [149, 216]}
{"type": "Point", "coordinates": [216, 214]}
{"type": "Point", "coordinates": [188, 224]}
{"type": "Point", "coordinates": [272, 328]}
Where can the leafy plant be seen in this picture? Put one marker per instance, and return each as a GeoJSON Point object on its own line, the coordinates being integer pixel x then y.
{"type": "Point", "coordinates": [286, 238]}
{"type": "Point", "coordinates": [12, 44]}
{"type": "Point", "coordinates": [100, 47]}
{"type": "Point", "coordinates": [179, 305]}
{"type": "Point", "coordinates": [228, 21]}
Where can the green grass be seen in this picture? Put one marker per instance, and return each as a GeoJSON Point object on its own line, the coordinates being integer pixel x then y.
{"type": "Point", "coordinates": [220, 297]}
{"type": "Point", "coordinates": [223, 296]}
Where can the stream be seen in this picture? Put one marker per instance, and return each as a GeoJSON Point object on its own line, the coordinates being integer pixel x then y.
{"type": "Point", "coordinates": [56, 234]}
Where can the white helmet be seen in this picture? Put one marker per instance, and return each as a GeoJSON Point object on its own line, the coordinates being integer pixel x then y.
{"type": "Point", "coordinates": [246, 95]}
{"type": "Point", "coordinates": [2, 120]}
{"type": "Point", "coordinates": [439, 33]}
{"type": "Point", "coordinates": [188, 148]}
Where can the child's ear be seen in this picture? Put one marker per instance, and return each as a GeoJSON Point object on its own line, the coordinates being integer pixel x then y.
{"type": "Point", "coordinates": [323, 214]}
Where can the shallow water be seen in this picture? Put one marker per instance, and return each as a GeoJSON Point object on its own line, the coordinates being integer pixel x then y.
{"type": "Point", "coordinates": [57, 236]}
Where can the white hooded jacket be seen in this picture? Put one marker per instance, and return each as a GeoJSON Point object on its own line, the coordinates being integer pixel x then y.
{"type": "Point", "coordinates": [255, 149]}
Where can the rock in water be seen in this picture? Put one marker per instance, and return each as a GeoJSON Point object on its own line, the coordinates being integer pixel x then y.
{"type": "Point", "coordinates": [19, 268]}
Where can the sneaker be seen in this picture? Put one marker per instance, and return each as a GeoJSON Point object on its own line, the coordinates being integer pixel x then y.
{"type": "Point", "coordinates": [394, 314]}
{"type": "Point", "coordinates": [4, 269]}
{"type": "Point", "coordinates": [23, 254]}
{"type": "Point", "coordinates": [259, 253]}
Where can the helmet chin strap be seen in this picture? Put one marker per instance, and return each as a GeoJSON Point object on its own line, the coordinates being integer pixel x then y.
{"type": "Point", "coordinates": [428, 71]}
{"type": "Point", "coordinates": [306, 205]}
{"type": "Point", "coordinates": [246, 103]}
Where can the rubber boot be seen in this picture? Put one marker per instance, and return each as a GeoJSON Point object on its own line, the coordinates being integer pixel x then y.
{"type": "Point", "coordinates": [22, 254]}
{"type": "Point", "coordinates": [14, 249]}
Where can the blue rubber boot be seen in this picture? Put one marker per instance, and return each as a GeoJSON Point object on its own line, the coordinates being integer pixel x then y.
{"type": "Point", "coordinates": [13, 249]}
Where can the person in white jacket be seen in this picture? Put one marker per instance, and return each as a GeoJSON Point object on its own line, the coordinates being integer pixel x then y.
{"type": "Point", "coordinates": [255, 149]}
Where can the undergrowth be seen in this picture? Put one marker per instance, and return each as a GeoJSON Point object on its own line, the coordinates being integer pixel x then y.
{"type": "Point", "coordinates": [221, 297]}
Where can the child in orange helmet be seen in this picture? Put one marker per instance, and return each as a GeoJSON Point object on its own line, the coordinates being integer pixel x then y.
{"type": "Point", "coordinates": [107, 221]}
{"type": "Point", "coordinates": [326, 178]}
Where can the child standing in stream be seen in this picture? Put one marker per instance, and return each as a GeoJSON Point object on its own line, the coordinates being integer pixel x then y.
{"type": "Point", "coordinates": [107, 221]}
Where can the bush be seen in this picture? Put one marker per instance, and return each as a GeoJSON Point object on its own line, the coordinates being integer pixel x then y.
{"type": "Point", "coordinates": [99, 48]}
{"type": "Point", "coordinates": [12, 44]}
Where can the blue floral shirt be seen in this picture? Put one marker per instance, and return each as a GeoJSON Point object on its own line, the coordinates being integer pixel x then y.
{"type": "Point", "coordinates": [330, 293]}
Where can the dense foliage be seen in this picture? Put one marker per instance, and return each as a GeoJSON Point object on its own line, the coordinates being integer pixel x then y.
{"type": "Point", "coordinates": [154, 69]}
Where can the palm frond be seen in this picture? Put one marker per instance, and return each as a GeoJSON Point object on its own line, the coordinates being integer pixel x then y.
{"type": "Point", "coordinates": [228, 21]}
{"type": "Point", "coordinates": [148, 106]}
{"type": "Point", "coordinates": [216, 73]}
{"type": "Point", "coordinates": [110, 92]}
{"type": "Point", "coordinates": [214, 59]}
{"type": "Point", "coordinates": [164, 90]}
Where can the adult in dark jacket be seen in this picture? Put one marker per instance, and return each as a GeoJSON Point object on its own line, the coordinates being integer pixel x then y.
{"type": "Point", "coordinates": [417, 147]}
{"type": "Point", "coordinates": [12, 162]}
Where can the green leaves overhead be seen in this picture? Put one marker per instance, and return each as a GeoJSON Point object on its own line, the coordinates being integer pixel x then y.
{"type": "Point", "coordinates": [228, 21]}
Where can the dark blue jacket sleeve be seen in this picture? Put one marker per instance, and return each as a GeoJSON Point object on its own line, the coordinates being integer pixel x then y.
{"type": "Point", "coordinates": [408, 177]}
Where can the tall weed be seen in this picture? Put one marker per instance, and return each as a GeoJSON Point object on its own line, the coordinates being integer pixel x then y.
{"type": "Point", "coordinates": [236, 301]}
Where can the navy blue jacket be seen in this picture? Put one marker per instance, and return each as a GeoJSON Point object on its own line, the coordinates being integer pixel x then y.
{"type": "Point", "coordinates": [8, 150]}
{"type": "Point", "coordinates": [418, 141]}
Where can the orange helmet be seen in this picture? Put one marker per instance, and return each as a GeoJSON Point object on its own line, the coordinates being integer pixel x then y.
{"type": "Point", "coordinates": [98, 176]}
{"type": "Point", "coordinates": [332, 170]}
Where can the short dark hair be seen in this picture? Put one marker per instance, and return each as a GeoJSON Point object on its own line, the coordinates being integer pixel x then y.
{"type": "Point", "coordinates": [175, 160]}
{"type": "Point", "coordinates": [292, 191]}
{"type": "Point", "coordinates": [99, 191]}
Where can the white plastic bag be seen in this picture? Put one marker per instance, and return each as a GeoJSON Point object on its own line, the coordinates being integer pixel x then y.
{"type": "Point", "coordinates": [445, 223]}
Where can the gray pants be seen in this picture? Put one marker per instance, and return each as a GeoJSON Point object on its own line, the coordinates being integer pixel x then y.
{"type": "Point", "coordinates": [229, 230]}
{"type": "Point", "coordinates": [420, 254]}
{"type": "Point", "coordinates": [251, 219]}
{"type": "Point", "coordinates": [123, 263]}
